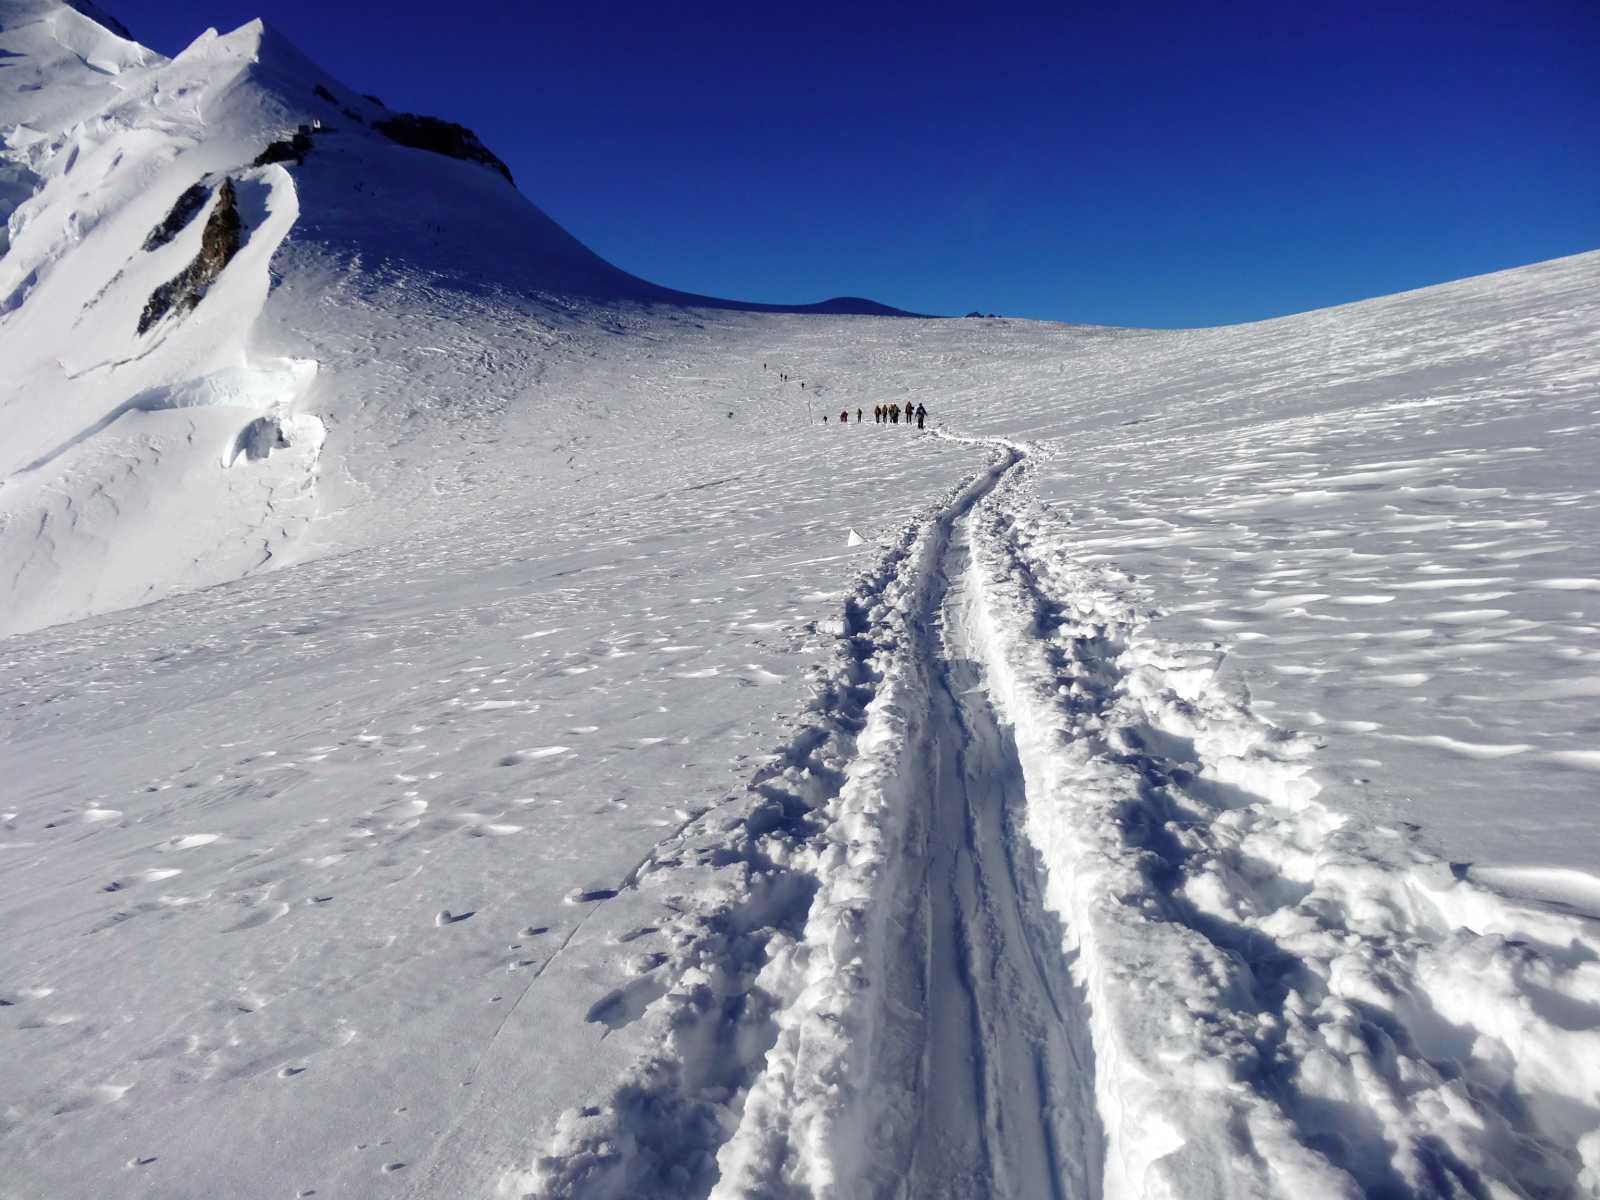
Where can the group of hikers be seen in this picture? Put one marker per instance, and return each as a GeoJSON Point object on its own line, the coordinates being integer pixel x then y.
{"type": "Point", "coordinates": [884, 414]}
{"type": "Point", "coordinates": [785, 377]}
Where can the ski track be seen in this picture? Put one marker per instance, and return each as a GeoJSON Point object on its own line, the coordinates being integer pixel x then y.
{"type": "Point", "coordinates": [1036, 905]}
{"type": "Point", "coordinates": [1008, 1073]}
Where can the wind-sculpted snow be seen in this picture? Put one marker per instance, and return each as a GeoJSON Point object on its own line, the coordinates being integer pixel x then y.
{"type": "Point", "coordinates": [1287, 999]}
{"type": "Point", "coordinates": [1387, 512]}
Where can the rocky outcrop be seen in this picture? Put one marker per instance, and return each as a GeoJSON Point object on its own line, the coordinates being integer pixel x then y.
{"type": "Point", "coordinates": [441, 137]}
{"type": "Point", "coordinates": [219, 242]}
{"type": "Point", "coordinates": [183, 211]}
{"type": "Point", "coordinates": [290, 149]}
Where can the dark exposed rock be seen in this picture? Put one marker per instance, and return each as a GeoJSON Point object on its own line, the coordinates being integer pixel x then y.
{"type": "Point", "coordinates": [219, 242]}
{"type": "Point", "coordinates": [441, 137]}
{"type": "Point", "coordinates": [324, 94]}
{"type": "Point", "coordinates": [183, 211]}
{"type": "Point", "coordinates": [354, 115]}
{"type": "Point", "coordinates": [374, 99]}
{"type": "Point", "coordinates": [291, 149]}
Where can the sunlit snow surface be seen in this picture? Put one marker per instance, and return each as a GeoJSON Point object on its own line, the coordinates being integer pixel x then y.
{"type": "Point", "coordinates": [517, 782]}
{"type": "Point", "coordinates": [1387, 513]}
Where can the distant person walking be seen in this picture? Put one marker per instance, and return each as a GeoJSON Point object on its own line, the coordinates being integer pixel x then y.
{"type": "Point", "coordinates": [921, 413]}
{"type": "Point", "coordinates": [858, 416]}
{"type": "Point", "coordinates": [894, 414]}
{"type": "Point", "coordinates": [844, 416]}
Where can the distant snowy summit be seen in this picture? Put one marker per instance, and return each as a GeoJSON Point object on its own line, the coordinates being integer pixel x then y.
{"type": "Point", "coordinates": [202, 262]}
{"type": "Point", "coordinates": [73, 66]}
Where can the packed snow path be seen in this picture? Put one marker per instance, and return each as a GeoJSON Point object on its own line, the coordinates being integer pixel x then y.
{"type": "Point", "coordinates": [1043, 909]}
{"type": "Point", "coordinates": [1007, 1087]}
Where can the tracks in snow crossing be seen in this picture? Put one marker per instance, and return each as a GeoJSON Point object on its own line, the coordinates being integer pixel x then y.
{"type": "Point", "coordinates": [871, 998]}
{"type": "Point", "coordinates": [1007, 1099]}
{"type": "Point", "coordinates": [880, 1004]}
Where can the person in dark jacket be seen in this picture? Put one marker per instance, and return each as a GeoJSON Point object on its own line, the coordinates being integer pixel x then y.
{"type": "Point", "coordinates": [921, 413]}
{"type": "Point", "coordinates": [844, 416]}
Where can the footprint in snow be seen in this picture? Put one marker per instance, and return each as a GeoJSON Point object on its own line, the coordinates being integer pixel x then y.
{"type": "Point", "coordinates": [262, 916]}
{"type": "Point", "coordinates": [189, 842]}
{"type": "Point", "coordinates": [522, 756]}
{"type": "Point", "coordinates": [589, 895]}
{"type": "Point", "coordinates": [150, 875]}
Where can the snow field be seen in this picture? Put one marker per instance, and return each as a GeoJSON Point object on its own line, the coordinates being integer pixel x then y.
{"type": "Point", "coordinates": [497, 720]}
{"type": "Point", "coordinates": [1197, 800]}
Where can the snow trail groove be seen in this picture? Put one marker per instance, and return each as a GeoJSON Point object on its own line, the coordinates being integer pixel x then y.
{"type": "Point", "coordinates": [1007, 1083]}
{"type": "Point", "coordinates": [772, 1031]}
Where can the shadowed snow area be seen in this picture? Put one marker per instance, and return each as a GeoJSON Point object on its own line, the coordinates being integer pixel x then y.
{"type": "Point", "coordinates": [470, 728]}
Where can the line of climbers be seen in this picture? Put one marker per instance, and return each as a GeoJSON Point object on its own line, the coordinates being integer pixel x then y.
{"type": "Point", "coordinates": [890, 414]}
{"type": "Point", "coordinates": [883, 414]}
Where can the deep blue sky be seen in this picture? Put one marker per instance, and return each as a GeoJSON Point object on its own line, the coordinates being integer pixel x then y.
{"type": "Point", "coordinates": [1165, 164]}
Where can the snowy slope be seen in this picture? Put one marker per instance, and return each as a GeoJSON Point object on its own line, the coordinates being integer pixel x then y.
{"type": "Point", "coordinates": [145, 419]}
{"type": "Point", "coordinates": [1184, 788]}
{"type": "Point", "coordinates": [58, 65]}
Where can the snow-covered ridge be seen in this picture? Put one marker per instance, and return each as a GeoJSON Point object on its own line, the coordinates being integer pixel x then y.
{"type": "Point", "coordinates": [110, 297]}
